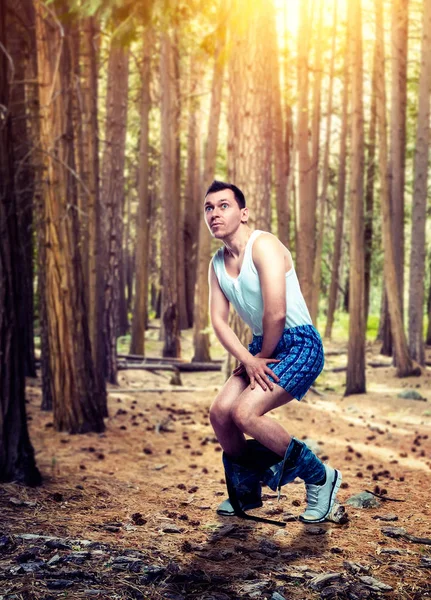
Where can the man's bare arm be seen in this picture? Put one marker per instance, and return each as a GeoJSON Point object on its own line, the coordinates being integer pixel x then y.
{"type": "Point", "coordinates": [219, 313]}
{"type": "Point", "coordinates": [255, 366]}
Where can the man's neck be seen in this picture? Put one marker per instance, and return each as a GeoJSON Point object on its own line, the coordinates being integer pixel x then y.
{"type": "Point", "coordinates": [236, 243]}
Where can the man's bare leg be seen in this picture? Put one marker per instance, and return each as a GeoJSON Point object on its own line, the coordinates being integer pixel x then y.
{"type": "Point", "coordinates": [229, 435]}
{"type": "Point", "coordinates": [249, 414]}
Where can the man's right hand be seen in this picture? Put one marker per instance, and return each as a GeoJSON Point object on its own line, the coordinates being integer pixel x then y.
{"type": "Point", "coordinates": [258, 371]}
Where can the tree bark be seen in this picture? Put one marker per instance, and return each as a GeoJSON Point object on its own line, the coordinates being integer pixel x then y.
{"type": "Point", "coordinates": [397, 152]}
{"type": "Point", "coordinates": [306, 202]}
{"type": "Point", "coordinates": [140, 308]}
{"type": "Point", "coordinates": [249, 119]}
{"type": "Point", "coordinates": [369, 189]}
{"type": "Point", "coordinates": [404, 363]}
{"type": "Point", "coordinates": [17, 461]}
{"type": "Point", "coordinates": [76, 405]}
{"type": "Point", "coordinates": [280, 145]}
{"type": "Point", "coordinates": [170, 197]}
{"type": "Point", "coordinates": [21, 43]}
{"type": "Point", "coordinates": [418, 247]}
{"type": "Point", "coordinates": [317, 269]}
{"type": "Point", "coordinates": [341, 192]}
{"type": "Point", "coordinates": [91, 178]}
{"type": "Point", "coordinates": [112, 196]}
{"type": "Point", "coordinates": [355, 380]}
{"type": "Point", "coordinates": [192, 193]}
{"type": "Point", "coordinates": [201, 341]}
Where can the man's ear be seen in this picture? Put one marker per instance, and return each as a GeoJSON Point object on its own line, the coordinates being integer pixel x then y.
{"type": "Point", "coordinates": [244, 215]}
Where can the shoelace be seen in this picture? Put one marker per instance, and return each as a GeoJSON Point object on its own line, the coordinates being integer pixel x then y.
{"type": "Point", "coordinates": [312, 494]}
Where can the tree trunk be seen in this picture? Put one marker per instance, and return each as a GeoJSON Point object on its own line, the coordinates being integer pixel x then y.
{"type": "Point", "coordinates": [428, 334]}
{"type": "Point", "coordinates": [397, 152]}
{"type": "Point", "coordinates": [355, 380]}
{"type": "Point", "coordinates": [91, 176]}
{"type": "Point", "coordinates": [306, 202]}
{"type": "Point", "coordinates": [16, 452]}
{"type": "Point", "coordinates": [341, 192]}
{"type": "Point", "coordinates": [21, 49]}
{"type": "Point", "coordinates": [170, 197]}
{"type": "Point", "coordinates": [201, 341]}
{"type": "Point", "coordinates": [112, 197]}
{"type": "Point", "coordinates": [404, 364]}
{"type": "Point", "coordinates": [76, 405]}
{"type": "Point", "coordinates": [369, 189]}
{"type": "Point", "coordinates": [317, 269]}
{"type": "Point", "coordinates": [280, 145]}
{"type": "Point", "coordinates": [192, 194]}
{"type": "Point", "coordinates": [249, 118]}
{"type": "Point", "coordinates": [418, 248]}
{"type": "Point", "coordinates": [140, 307]}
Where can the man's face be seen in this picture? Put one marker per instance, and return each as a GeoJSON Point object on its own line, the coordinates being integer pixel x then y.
{"type": "Point", "coordinates": [223, 216]}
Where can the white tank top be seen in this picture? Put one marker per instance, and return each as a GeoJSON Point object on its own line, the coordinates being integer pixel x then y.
{"type": "Point", "coordinates": [245, 294]}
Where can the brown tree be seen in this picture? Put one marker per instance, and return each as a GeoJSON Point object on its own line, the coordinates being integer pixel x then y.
{"type": "Point", "coordinates": [140, 308]}
{"type": "Point", "coordinates": [20, 26]}
{"type": "Point", "coordinates": [76, 405]}
{"type": "Point", "coordinates": [192, 192]}
{"type": "Point", "coordinates": [279, 132]}
{"type": "Point", "coordinates": [317, 269]}
{"type": "Point", "coordinates": [369, 187]}
{"type": "Point", "coordinates": [170, 195]}
{"type": "Point", "coordinates": [16, 452]}
{"type": "Point", "coordinates": [201, 342]}
{"type": "Point", "coordinates": [340, 201]}
{"type": "Point", "coordinates": [306, 203]}
{"type": "Point", "coordinates": [393, 292]}
{"type": "Point", "coordinates": [91, 177]}
{"type": "Point", "coordinates": [112, 195]}
{"type": "Point", "coordinates": [355, 380]}
{"type": "Point", "coordinates": [418, 248]}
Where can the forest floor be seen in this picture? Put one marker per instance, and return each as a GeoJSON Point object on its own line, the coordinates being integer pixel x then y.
{"type": "Point", "coordinates": [130, 513]}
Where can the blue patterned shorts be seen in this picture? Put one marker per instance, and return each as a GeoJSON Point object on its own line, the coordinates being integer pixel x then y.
{"type": "Point", "coordinates": [300, 351]}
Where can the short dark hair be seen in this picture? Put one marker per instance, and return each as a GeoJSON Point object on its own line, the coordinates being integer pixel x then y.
{"type": "Point", "coordinates": [219, 186]}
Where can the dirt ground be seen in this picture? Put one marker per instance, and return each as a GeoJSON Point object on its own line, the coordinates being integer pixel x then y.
{"type": "Point", "coordinates": [144, 494]}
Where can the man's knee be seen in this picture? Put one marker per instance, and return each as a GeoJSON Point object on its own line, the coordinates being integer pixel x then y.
{"type": "Point", "coordinates": [220, 412]}
{"type": "Point", "coordinates": [242, 415]}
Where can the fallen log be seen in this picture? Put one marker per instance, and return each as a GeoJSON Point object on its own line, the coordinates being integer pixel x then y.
{"type": "Point", "coordinates": [180, 367]}
{"type": "Point", "coordinates": [164, 389]}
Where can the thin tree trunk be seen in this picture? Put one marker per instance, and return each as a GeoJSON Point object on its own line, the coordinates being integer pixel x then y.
{"type": "Point", "coordinates": [76, 405]}
{"type": "Point", "coordinates": [315, 151]}
{"type": "Point", "coordinates": [279, 131]}
{"type": "Point", "coordinates": [113, 196]}
{"type": "Point", "coordinates": [317, 270]}
{"type": "Point", "coordinates": [428, 334]}
{"type": "Point", "coordinates": [249, 119]}
{"type": "Point", "coordinates": [418, 247]}
{"type": "Point", "coordinates": [397, 151]}
{"type": "Point", "coordinates": [170, 197]}
{"type": "Point", "coordinates": [17, 461]}
{"type": "Point", "coordinates": [192, 194]}
{"type": "Point", "coordinates": [201, 341]}
{"type": "Point", "coordinates": [21, 42]}
{"type": "Point", "coordinates": [404, 363]}
{"type": "Point", "coordinates": [306, 204]}
{"type": "Point", "coordinates": [341, 192]}
{"type": "Point", "coordinates": [369, 193]}
{"type": "Point", "coordinates": [355, 380]}
{"type": "Point", "coordinates": [140, 308]}
{"type": "Point", "coordinates": [91, 176]}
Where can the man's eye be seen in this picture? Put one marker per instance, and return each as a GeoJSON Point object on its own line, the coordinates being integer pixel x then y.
{"type": "Point", "coordinates": [225, 205]}
{"type": "Point", "coordinates": [208, 208]}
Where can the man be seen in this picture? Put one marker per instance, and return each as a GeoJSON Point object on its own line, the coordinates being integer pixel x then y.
{"type": "Point", "coordinates": [254, 272]}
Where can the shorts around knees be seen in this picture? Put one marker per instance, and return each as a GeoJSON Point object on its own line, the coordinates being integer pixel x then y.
{"type": "Point", "coordinates": [300, 352]}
